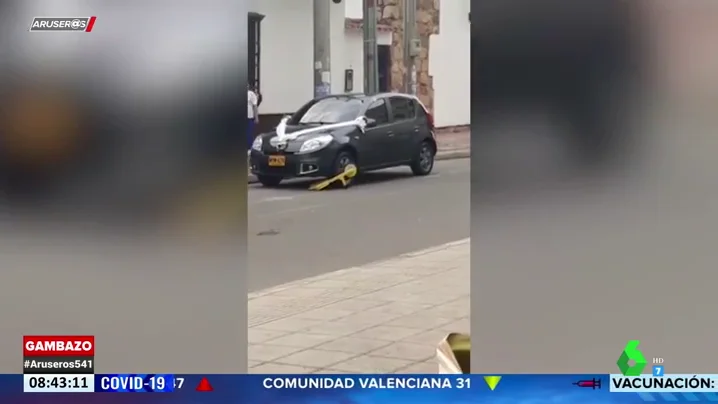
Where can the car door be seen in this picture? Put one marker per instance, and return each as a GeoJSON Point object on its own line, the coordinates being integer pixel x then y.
{"type": "Point", "coordinates": [403, 129]}
{"type": "Point", "coordinates": [376, 139]}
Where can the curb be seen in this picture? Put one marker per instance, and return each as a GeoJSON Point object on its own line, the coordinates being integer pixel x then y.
{"type": "Point", "coordinates": [442, 155]}
{"type": "Point", "coordinates": [429, 250]}
{"type": "Point", "coordinates": [453, 154]}
{"type": "Point", "coordinates": [371, 264]}
{"type": "Point", "coordinates": [262, 310]}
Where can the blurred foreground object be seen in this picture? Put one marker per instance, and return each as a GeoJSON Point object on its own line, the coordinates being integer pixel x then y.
{"type": "Point", "coordinates": [454, 354]}
{"type": "Point", "coordinates": [586, 82]}
{"type": "Point", "coordinates": [118, 125]}
{"type": "Point", "coordinates": [40, 129]}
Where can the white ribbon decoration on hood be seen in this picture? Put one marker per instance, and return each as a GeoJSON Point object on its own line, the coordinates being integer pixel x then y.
{"type": "Point", "coordinates": [283, 136]}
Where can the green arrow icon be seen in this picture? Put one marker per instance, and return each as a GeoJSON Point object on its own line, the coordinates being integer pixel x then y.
{"type": "Point", "coordinates": [631, 353]}
{"type": "Point", "coordinates": [492, 381]}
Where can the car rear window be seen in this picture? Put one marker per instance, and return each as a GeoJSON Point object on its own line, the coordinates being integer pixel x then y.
{"type": "Point", "coordinates": [332, 110]}
{"type": "Point", "coordinates": [402, 108]}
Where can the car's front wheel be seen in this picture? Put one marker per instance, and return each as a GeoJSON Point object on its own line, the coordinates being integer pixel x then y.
{"type": "Point", "coordinates": [269, 180]}
{"type": "Point", "coordinates": [342, 161]}
{"type": "Point", "coordinates": [423, 162]}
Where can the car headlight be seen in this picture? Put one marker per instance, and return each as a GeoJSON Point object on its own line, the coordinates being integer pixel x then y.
{"type": "Point", "coordinates": [257, 144]}
{"type": "Point", "coordinates": [315, 143]}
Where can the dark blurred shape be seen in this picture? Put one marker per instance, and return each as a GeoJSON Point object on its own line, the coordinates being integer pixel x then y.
{"type": "Point", "coordinates": [559, 85]}
{"type": "Point", "coordinates": [577, 62]}
{"type": "Point", "coordinates": [117, 124]}
{"type": "Point", "coordinates": [123, 182]}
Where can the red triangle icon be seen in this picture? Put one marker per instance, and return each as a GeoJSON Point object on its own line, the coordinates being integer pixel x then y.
{"type": "Point", "coordinates": [204, 385]}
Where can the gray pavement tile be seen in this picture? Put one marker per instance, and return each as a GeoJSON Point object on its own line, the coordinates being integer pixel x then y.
{"type": "Point", "coordinates": [258, 336]}
{"type": "Point", "coordinates": [425, 367]}
{"type": "Point", "coordinates": [430, 338]}
{"type": "Point", "coordinates": [462, 325]}
{"type": "Point", "coordinates": [387, 333]}
{"type": "Point", "coordinates": [370, 317]}
{"type": "Point", "coordinates": [339, 284]}
{"type": "Point", "coordinates": [450, 279]}
{"type": "Point", "coordinates": [251, 364]}
{"type": "Point", "coordinates": [304, 292]}
{"type": "Point", "coordinates": [289, 324]}
{"type": "Point", "coordinates": [354, 345]}
{"type": "Point", "coordinates": [421, 320]}
{"type": "Point", "coordinates": [456, 309]}
{"type": "Point", "coordinates": [280, 368]}
{"type": "Point", "coordinates": [406, 350]}
{"type": "Point", "coordinates": [324, 314]}
{"type": "Point", "coordinates": [388, 295]}
{"type": "Point", "coordinates": [330, 372]}
{"type": "Point", "coordinates": [400, 308]}
{"type": "Point", "coordinates": [356, 304]}
{"type": "Point", "coordinates": [302, 340]}
{"type": "Point", "coordinates": [337, 328]}
{"type": "Point", "coordinates": [272, 307]}
{"type": "Point", "coordinates": [267, 308]}
{"type": "Point", "coordinates": [365, 273]}
{"type": "Point", "coordinates": [437, 296]}
{"type": "Point", "coordinates": [393, 276]}
{"type": "Point", "coordinates": [267, 352]}
{"type": "Point", "coordinates": [371, 364]}
{"type": "Point", "coordinates": [425, 296]}
{"type": "Point", "coordinates": [315, 358]}
{"type": "Point", "coordinates": [419, 285]}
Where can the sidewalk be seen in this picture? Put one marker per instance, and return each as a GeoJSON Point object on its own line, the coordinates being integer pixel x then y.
{"type": "Point", "coordinates": [385, 317]}
{"type": "Point", "coordinates": [452, 143]}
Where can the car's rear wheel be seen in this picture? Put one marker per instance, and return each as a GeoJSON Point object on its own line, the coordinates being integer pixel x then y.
{"type": "Point", "coordinates": [269, 180]}
{"type": "Point", "coordinates": [423, 162]}
{"type": "Point", "coordinates": [344, 159]}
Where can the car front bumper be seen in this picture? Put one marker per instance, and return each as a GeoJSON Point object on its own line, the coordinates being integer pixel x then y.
{"type": "Point", "coordinates": [317, 164]}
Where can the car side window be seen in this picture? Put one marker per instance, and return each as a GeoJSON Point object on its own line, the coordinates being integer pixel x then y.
{"type": "Point", "coordinates": [420, 112]}
{"type": "Point", "coordinates": [378, 112]}
{"type": "Point", "coordinates": [403, 108]}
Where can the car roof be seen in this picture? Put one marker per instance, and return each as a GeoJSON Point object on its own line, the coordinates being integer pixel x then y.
{"type": "Point", "coordinates": [365, 97]}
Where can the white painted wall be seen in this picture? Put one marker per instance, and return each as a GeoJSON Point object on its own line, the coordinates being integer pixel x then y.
{"type": "Point", "coordinates": [287, 52]}
{"type": "Point", "coordinates": [354, 45]}
{"type": "Point", "coordinates": [354, 8]}
{"type": "Point", "coordinates": [338, 47]}
{"type": "Point", "coordinates": [450, 65]}
{"type": "Point", "coordinates": [449, 60]}
{"type": "Point", "coordinates": [287, 31]}
{"type": "Point", "coordinates": [354, 56]}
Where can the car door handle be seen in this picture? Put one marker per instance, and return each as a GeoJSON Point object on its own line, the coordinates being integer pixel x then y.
{"type": "Point", "coordinates": [390, 133]}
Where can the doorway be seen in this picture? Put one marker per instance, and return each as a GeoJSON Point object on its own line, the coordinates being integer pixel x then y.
{"type": "Point", "coordinates": [253, 47]}
{"type": "Point", "coordinates": [384, 67]}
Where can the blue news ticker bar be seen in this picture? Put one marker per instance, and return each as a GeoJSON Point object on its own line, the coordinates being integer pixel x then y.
{"type": "Point", "coordinates": [251, 389]}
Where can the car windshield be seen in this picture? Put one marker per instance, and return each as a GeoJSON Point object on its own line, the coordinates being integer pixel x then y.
{"type": "Point", "coordinates": [332, 110]}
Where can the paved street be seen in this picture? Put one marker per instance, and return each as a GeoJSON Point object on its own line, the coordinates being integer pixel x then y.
{"type": "Point", "coordinates": [295, 233]}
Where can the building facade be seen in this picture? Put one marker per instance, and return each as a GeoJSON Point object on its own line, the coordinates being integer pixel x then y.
{"type": "Point", "coordinates": [281, 63]}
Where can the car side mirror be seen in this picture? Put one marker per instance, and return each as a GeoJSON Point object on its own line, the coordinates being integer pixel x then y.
{"type": "Point", "coordinates": [370, 122]}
